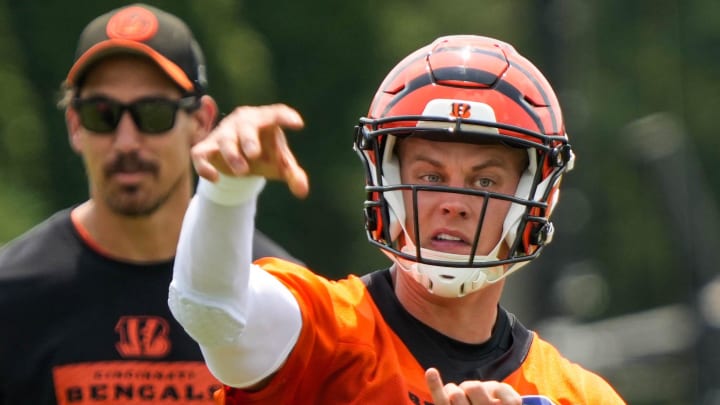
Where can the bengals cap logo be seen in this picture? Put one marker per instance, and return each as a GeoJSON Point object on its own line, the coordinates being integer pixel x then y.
{"type": "Point", "coordinates": [143, 336]}
{"type": "Point", "coordinates": [133, 23]}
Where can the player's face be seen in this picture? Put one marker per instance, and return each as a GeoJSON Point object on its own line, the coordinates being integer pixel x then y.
{"type": "Point", "coordinates": [131, 172]}
{"type": "Point", "coordinates": [448, 222]}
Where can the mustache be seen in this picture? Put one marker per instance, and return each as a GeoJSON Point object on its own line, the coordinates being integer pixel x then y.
{"type": "Point", "coordinates": [129, 163]}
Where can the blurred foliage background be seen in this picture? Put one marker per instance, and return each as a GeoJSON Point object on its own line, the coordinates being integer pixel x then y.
{"type": "Point", "coordinates": [629, 287]}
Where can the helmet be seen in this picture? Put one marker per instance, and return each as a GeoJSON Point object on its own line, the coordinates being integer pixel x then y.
{"type": "Point", "coordinates": [464, 88]}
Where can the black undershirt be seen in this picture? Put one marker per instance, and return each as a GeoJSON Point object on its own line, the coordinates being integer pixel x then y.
{"type": "Point", "coordinates": [457, 361]}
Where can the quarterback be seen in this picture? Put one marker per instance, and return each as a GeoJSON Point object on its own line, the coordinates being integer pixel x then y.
{"type": "Point", "coordinates": [463, 149]}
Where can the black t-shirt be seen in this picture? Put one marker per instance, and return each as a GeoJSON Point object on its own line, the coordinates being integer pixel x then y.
{"type": "Point", "coordinates": [91, 329]}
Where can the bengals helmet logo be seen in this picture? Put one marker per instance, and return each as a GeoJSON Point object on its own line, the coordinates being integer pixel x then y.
{"type": "Point", "coordinates": [143, 336]}
{"type": "Point", "coordinates": [460, 110]}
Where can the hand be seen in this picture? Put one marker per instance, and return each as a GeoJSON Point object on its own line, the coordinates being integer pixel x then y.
{"type": "Point", "coordinates": [251, 141]}
{"type": "Point", "coordinates": [471, 392]}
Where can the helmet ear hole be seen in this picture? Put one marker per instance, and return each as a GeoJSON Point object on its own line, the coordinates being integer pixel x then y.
{"type": "Point", "coordinates": [542, 234]}
{"type": "Point", "coordinates": [362, 138]}
{"type": "Point", "coordinates": [562, 156]}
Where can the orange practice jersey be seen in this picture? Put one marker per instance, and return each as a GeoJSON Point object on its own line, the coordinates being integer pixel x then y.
{"type": "Point", "coordinates": [350, 351]}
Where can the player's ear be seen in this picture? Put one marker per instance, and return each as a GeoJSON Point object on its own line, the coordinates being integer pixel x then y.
{"type": "Point", "coordinates": [206, 116]}
{"type": "Point", "coordinates": [72, 122]}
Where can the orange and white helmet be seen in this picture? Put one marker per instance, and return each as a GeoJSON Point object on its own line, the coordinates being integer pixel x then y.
{"type": "Point", "coordinates": [464, 88]}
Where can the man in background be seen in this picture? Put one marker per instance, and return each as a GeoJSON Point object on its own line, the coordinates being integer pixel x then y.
{"type": "Point", "coordinates": [83, 310]}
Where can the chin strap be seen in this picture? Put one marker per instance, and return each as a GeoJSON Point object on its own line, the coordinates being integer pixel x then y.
{"type": "Point", "coordinates": [450, 282]}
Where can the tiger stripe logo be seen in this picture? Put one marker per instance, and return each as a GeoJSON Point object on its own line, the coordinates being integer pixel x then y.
{"type": "Point", "coordinates": [143, 337]}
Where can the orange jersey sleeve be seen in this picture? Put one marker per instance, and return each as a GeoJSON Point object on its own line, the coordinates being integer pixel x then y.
{"type": "Point", "coordinates": [344, 355]}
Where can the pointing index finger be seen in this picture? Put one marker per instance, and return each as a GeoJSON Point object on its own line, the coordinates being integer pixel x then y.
{"type": "Point", "coordinates": [435, 384]}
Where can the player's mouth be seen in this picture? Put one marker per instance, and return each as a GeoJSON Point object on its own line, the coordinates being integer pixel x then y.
{"type": "Point", "coordinates": [450, 241]}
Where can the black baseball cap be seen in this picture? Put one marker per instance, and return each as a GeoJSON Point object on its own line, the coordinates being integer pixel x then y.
{"type": "Point", "coordinates": [145, 30]}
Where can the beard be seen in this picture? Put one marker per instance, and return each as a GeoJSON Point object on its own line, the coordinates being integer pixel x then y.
{"type": "Point", "coordinates": [137, 200]}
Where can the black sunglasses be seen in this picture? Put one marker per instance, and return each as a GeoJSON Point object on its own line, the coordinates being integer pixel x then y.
{"type": "Point", "coordinates": [152, 115]}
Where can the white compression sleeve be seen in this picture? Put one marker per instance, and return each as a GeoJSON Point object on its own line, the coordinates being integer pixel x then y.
{"type": "Point", "coordinates": [244, 319]}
